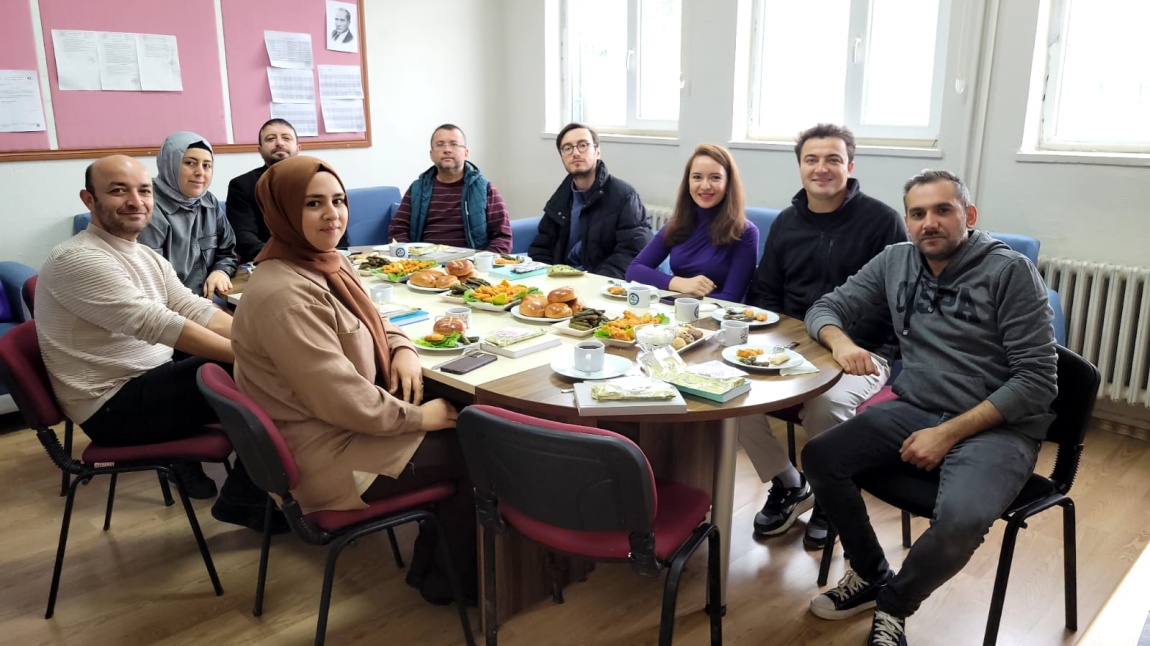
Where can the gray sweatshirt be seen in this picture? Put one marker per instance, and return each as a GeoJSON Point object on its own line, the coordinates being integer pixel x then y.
{"type": "Point", "coordinates": [196, 242]}
{"type": "Point", "coordinates": [980, 330]}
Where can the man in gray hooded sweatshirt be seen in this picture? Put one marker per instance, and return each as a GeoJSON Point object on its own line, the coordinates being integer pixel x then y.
{"type": "Point", "coordinates": [974, 328]}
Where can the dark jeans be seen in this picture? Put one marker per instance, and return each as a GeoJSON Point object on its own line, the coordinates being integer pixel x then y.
{"type": "Point", "coordinates": [162, 405]}
{"type": "Point", "coordinates": [979, 478]}
{"type": "Point", "coordinates": [437, 459]}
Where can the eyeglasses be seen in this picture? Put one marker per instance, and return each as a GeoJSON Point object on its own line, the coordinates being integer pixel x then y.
{"type": "Point", "coordinates": [582, 147]}
{"type": "Point", "coordinates": [440, 145]}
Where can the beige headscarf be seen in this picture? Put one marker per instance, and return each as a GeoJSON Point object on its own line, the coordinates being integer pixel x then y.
{"type": "Point", "coordinates": [281, 193]}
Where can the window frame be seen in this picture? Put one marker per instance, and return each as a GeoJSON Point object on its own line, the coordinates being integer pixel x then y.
{"type": "Point", "coordinates": [570, 104]}
{"type": "Point", "coordinates": [856, 51]}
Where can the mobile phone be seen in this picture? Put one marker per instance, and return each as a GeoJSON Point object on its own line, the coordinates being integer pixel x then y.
{"type": "Point", "coordinates": [464, 365]}
{"type": "Point", "coordinates": [670, 298]}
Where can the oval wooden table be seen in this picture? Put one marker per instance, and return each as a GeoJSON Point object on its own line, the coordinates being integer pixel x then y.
{"type": "Point", "coordinates": [698, 447]}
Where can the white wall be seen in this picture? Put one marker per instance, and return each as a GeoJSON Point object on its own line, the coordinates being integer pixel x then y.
{"type": "Point", "coordinates": [429, 62]}
{"type": "Point", "coordinates": [1080, 211]}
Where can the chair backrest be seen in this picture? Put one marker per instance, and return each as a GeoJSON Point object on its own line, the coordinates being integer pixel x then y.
{"type": "Point", "coordinates": [762, 218]}
{"type": "Point", "coordinates": [23, 372]}
{"type": "Point", "coordinates": [28, 293]}
{"type": "Point", "coordinates": [80, 222]}
{"type": "Point", "coordinates": [13, 276]}
{"type": "Point", "coordinates": [572, 477]}
{"type": "Point", "coordinates": [1024, 245]}
{"type": "Point", "coordinates": [257, 441]}
{"type": "Point", "coordinates": [523, 232]}
{"type": "Point", "coordinates": [1078, 382]}
{"type": "Point", "coordinates": [370, 211]}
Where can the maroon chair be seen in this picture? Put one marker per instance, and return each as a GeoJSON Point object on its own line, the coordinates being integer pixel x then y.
{"type": "Point", "coordinates": [588, 493]}
{"type": "Point", "coordinates": [271, 465]}
{"type": "Point", "coordinates": [22, 371]}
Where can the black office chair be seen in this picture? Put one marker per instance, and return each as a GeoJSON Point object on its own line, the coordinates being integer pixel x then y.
{"type": "Point", "coordinates": [914, 490]}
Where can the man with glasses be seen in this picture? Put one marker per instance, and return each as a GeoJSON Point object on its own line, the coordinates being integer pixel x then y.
{"type": "Point", "coordinates": [594, 221]}
{"type": "Point", "coordinates": [452, 203]}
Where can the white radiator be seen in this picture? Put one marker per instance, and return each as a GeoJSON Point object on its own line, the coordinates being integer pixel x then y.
{"type": "Point", "coordinates": [1107, 311]}
{"type": "Point", "coordinates": [660, 216]}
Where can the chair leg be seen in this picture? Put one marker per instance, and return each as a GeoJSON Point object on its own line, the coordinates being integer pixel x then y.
{"type": "Point", "coordinates": [553, 573]}
{"type": "Point", "coordinates": [791, 444]}
{"type": "Point", "coordinates": [325, 592]}
{"type": "Point", "coordinates": [1001, 578]}
{"type": "Point", "coordinates": [68, 450]}
{"type": "Point", "coordinates": [168, 502]}
{"type": "Point", "coordinates": [265, 549]}
{"type": "Point", "coordinates": [1070, 564]}
{"type": "Point", "coordinates": [906, 542]}
{"type": "Point", "coordinates": [490, 618]}
{"type": "Point", "coordinates": [56, 571]}
{"type": "Point", "coordinates": [395, 547]}
{"type": "Point", "coordinates": [200, 542]}
{"type": "Point", "coordinates": [828, 554]}
{"type": "Point", "coordinates": [714, 588]}
{"type": "Point", "coordinates": [111, 499]}
{"type": "Point", "coordinates": [456, 589]}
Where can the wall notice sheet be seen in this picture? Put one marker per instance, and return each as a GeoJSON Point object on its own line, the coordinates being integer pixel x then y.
{"type": "Point", "coordinates": [20, 107]}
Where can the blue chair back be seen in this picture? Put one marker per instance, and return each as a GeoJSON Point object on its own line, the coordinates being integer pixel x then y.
{"type": "Point", "coordinates": [370, 211]}
{"type": "Point", "coordinates": [523, 231]}
{"type": "Point", "coordinates": [1029, 247]}
{"type": "Point", "coordinates": [762, 218]}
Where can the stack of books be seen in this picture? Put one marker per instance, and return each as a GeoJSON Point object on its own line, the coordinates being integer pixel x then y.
{"type": "Point", "coordinates": [402, 314]}
{"type": "Point", "coordinates": [712, 380]}
{"type": "Point", "coordinates": [628, 396]}
{"type": "Point", "coordinates": [516, 341]}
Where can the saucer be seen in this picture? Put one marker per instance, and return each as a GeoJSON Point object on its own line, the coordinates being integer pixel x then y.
{"type": "Point", "coordinates": [613, 366]}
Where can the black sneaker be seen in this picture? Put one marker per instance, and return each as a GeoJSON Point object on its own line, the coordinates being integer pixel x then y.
{"type": "Point", "coordinates": [815, 537]}
{"type": "Point", "coordinates": [783, 506]}
{"type": "Point", "coordinates": [851, 596]}
{"type": "Point", "coordinates": [887, 630]}
{"type": "Point", "coordinates": [196, 483]}
{"type": "Point", "coordinates": [248, 515]}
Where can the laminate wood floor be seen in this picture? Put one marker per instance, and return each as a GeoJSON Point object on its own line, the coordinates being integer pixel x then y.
{"type": "Point", "coordinates": [143, 582]}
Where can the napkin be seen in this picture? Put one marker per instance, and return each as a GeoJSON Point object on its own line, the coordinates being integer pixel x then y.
{"type": "Point", "coordinates": [805, 368]}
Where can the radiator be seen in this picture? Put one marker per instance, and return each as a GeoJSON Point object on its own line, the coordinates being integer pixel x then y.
{"type": "Point", "coordinates": [660, 216]}
{"type": "Point", "coordinates": [1107, 312]}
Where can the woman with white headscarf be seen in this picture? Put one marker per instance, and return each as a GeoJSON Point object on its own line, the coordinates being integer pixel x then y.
{"type": "Point", "coordinates": [188, 224]}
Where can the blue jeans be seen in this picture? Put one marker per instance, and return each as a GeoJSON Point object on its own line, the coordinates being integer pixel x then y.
{"type": "Point", "coordinates": [978, 479]}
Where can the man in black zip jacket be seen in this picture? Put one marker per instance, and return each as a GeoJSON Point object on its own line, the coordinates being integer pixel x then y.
{"type": "Point", "coordinates": [827, 234]}
{"type": "Point", "coordinates": [594, 221]}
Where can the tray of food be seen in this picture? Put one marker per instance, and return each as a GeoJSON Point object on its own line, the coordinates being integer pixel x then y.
{"type": "Point", "coordinates": [448, 335]}
{"type": "Point", "coordinates": [509, 259]}
{"type": "Point", "coordinates": [755, 316]}
{"type": "Point", "coordinates": [500, 296]}
{"type": "Point", "coordinates": [400, 270]}
{"type": "Point", "coordinates": [688, 336]}
{"type": "Point", "coordinates": [582, 323]}
{"type": "Point", "coordinates": [621, 331]}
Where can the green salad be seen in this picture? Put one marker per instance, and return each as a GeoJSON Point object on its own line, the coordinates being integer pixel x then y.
{"type": "Point", "coordinates": [452, 340]}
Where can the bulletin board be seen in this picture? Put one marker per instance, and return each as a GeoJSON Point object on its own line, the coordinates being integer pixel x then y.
{"type": "Point", "coordinates": [225, 93]}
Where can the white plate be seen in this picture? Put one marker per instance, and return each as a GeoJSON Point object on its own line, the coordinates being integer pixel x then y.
{"type": "Point", "coordinates": [772, 318]}
{"type": "Point", "coordinates": [428, 290]}
{"type": "Point", "coordinates": [534, 319]}
{"type": "Point", "coordinates": [481, 305]}
{"type": "Point", "coordinates": [455, 349]}
{"type": "Point", "coordinates": [622, 297]}
{"type": "Point", "coordinates": [564, 327]}
{"type": "Point", "coordinates": [731, 356]}
{"type": "Point", "coordinates": [693, 344]}
{"type": "Point", "coordinates": [613, 366]}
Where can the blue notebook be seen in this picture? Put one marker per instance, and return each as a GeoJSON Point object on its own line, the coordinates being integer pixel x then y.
{"type": "Point", "coordinates": [414, 317]}
{"type": "Point", "coordinates": [506, 272]}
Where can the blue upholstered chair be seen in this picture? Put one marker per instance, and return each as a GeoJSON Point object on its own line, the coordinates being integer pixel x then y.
{"type": "Point", "coordinates": [370, 211]}
{"type": "Point", "coordinates": [523, 231]}
{"type": "Point", "coordinates": [80, 221]}
{"type": "Point", "coordinates": [762, 218]}
{"type": "Point", "coordinates": [13, 276]}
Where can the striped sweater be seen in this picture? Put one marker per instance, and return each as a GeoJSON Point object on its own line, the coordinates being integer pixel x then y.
{"type": "Point", "coordinates": [107, 311]}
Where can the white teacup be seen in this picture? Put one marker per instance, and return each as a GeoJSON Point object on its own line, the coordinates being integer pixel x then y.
{"type": "Point", "coordinates": [484, 261]}
{"type": "Point", "coordinates": [461, 313]}
{"type": "Point", "coordinates": [638, 296]}
{"type": "Point", "coordinates": [589, 356]}
{"type": "Point", "coordinates": [686, 310]}
{"type": "Point", "coordinates": [734, 332]}
{"type": "Point", "coordinates": [381, 294]}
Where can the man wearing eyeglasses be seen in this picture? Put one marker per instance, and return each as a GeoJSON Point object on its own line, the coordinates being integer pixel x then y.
{"type": "Point", "coordinates": [452, 203]}
{"type": "Point", "coordinates": [594, 221]}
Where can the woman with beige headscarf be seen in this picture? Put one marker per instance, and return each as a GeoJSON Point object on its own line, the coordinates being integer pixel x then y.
{"type": "Point", "coordinates": [344, 387]}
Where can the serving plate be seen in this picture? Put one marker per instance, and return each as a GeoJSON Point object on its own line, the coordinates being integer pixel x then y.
{"type": "Point", "coordinates": [772, 318]}
{"type": "Point", "coordinates": [731, 356]}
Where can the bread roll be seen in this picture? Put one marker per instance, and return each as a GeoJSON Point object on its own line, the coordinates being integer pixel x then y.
{"type": "Point", "coordinates": [576, 305]}
{"type": "Point", "coordinates": [446, 280]}
{"type": "Point", "coordinates": [562, 295]}
{"type": "Point", "coordinates": [448, 325]}
{"type": "Point", "coordinates": [533, 305]}
{"type": "Point", "coordinates": [425, 278]}
{"type": "Point", "coordinates": [461, 267]}
{"type": "Point", "coordinates": [557, 311]}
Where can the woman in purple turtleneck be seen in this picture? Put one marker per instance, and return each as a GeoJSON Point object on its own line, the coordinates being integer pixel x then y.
{"type": "Point", "coordinates": [713, 247]}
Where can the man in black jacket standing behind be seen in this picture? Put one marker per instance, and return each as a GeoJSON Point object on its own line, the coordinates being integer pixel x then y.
{"type": "Point", "coordinates": [277, 142]}
{"type": "Point", "coordinates": [594, 221]}
{"type": "Point", "coordinates": [827, 234]}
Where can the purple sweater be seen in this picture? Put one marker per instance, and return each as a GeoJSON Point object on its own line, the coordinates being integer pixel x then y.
{"type": "Point", "coordinates": [729, 266]}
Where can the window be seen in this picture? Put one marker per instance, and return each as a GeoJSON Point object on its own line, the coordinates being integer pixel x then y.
{"type": "Point", "coordinates": [620, 64]}
{"type": "Point", "coordinates": [1096, 94]}
{"type": "Point", "coordinates": [876, 66]}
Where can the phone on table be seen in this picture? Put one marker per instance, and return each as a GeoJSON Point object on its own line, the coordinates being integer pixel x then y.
{"type": "Point", "coordinates": [466, 364]}
{"type": "Point", "coordinates": [670, 298]}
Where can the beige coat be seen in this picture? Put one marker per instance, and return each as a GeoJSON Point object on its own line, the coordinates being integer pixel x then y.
{"type": "Point", "coordinates": [310, 363]}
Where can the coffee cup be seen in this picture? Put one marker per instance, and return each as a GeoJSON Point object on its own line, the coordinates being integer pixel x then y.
{"type": "Point", "coordinates": [461, 313]}
{"type": "Point", "coordinates": [638, 296]}
{"type": "Point", "coordinates": [589, 356]}
{"type": "Point", "coordinates": [484, 261]}
{"type": "Point", "coordinates": [734, 332]}
{"type": "Point", "coordinates": [686, 310]}
{"type": "Point", "coordinates": [381, 294]}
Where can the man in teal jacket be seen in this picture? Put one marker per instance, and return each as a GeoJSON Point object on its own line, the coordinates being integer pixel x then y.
{"type": "Point", "coordinates": [452, 203]}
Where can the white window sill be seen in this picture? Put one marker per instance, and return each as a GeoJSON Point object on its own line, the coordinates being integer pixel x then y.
{"type": "Point", "coordinates": [863, 150]}
{"type": "Point", "coordinates": [1082, 157]}
{"type": "Point", "coordinates": [655, 140]}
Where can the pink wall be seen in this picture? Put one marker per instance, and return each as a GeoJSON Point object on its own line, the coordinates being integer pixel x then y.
{"type": "Point", "coordinates": [18, 52]}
